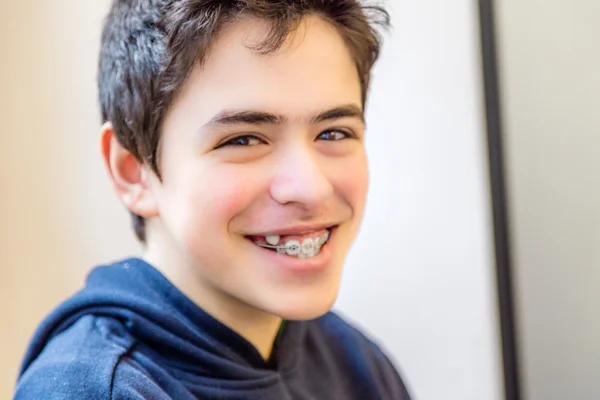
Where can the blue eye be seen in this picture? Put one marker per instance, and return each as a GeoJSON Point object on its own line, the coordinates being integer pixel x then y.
{"type": "Point", "coordinates": [333, 135]}
{"type": "Point", "coordinates": [243, 141]}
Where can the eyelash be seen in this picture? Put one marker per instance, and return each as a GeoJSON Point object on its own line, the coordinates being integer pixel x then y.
{"type": "Point", "coordinates": [232, 142]}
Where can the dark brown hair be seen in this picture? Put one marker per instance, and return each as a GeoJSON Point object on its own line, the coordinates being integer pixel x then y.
{"type": "Point", "coordinates": [149, 48]}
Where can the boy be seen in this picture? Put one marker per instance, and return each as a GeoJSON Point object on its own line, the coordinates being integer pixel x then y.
{"type": "Point", "coordinates": [234, 134]}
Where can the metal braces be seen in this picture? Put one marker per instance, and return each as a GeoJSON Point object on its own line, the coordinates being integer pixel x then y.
{"type": "Point", "coordinates": [282, 248]}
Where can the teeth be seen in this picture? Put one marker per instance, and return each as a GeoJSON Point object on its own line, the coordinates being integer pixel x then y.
{"type": "Point", "coordinates": [273, 240]}
{"type": "Point", "coordinates": [281, 250]}
{"type": "Point", "coordinates": [308, 247]}
{"type": "Point", "coordinates": [292, 247]}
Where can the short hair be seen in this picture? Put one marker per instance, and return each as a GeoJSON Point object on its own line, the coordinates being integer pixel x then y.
{"type": "Point", "coordinates": [149, 48]}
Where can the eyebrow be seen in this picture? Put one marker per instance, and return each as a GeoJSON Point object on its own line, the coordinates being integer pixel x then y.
{"type": "Point", "coordinates": [250, 117]}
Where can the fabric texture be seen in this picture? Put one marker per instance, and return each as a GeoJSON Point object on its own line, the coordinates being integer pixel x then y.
{"type": "Point", "coordinates": [130, 334]}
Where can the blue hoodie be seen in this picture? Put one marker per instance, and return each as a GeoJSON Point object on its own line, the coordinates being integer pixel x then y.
{"type": "Point", "coordinates": [130, 334]}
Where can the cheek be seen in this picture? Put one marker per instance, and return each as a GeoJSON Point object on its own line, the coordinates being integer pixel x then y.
{"type": "Point", "coordinates": [234, 191]}
{"type": "Point", "coordinates": [230, 196]}
{"type": "Point", "coordinates": [352, 181]}
{"type": "Point", "coordinates": [203, 201]}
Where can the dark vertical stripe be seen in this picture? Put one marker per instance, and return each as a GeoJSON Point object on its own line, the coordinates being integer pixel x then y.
{"type": "Point", "coordinates": [499, 201]}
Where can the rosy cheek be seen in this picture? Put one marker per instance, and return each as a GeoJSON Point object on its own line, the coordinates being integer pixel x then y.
{"type": "Point", "coordinates": [231, 194]}
{"type": "Point", "coordinates": [357, 191]}
{"type": "Point", "coordinates": [353, 181]}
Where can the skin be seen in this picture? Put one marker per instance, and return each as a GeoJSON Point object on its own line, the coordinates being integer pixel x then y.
{"type": "Point", "coordinates": [295, 172]}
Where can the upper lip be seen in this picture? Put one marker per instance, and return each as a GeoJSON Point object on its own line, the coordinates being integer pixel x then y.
{"type": "Point", "coordinates": [296, 230]}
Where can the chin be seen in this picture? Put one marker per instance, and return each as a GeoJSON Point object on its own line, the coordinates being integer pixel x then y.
{"type": "Point", "coordinates": [298, 310]}
{"type": "Point", "coordinates": [306, 301]}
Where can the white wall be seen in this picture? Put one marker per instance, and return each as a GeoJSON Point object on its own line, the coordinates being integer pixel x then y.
{"type": "Point", "coordinates": [58, 216]}
{"type": "Point", "coordinates": [421, 274]}
{"type": "Point", "coordinates": [551, 84]}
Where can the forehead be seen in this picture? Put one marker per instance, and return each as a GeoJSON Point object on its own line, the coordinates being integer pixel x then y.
{"type": "Point", "coordinates": [313, 70]}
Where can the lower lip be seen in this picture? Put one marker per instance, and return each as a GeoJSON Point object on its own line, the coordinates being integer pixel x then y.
{"type": "Point", "coordinates": [301, 265]}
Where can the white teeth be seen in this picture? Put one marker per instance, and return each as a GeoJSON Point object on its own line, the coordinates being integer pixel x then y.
{"type": "Point", "coordinates": [281, 250]}
{"type": "Point", "coordinates": [273, 240]}
{"type": "Point", "coordinates": [318, 244]}
{"type": "Point", "coordinates": [308, 247]}
{"type": "Point", "coordinates": [292, 247]}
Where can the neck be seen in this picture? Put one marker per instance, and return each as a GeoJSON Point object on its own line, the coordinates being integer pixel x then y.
{"type": "Point", "coordinates": [256, 326]}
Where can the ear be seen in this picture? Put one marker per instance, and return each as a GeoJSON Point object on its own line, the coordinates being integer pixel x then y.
{"type": "Point", "coordinates": [131, 179]}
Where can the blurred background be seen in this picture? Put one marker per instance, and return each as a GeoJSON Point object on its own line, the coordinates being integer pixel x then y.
{"type": "Point", "coordinates": [422, 277]}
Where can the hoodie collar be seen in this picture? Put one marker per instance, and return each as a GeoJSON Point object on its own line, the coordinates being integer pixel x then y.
{"type": "Point", "coordinates": [188, 322]}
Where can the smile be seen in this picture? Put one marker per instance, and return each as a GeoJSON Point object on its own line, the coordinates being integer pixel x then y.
{"type": "Point", "coordinates": [301, 246]}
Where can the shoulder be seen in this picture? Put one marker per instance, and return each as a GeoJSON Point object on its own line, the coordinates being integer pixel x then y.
{"type": "Point", "coordinates": [337, 330]}
{"type": "Point", "coordinates": [89, 360]}
{"type": "Point", "coordinates": [347, 342]}
{"type": "Point", "coordinates": [333, 324]}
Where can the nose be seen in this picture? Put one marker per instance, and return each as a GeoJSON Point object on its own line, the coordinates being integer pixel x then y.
{"type": "Point", "coordinates": [300, 178]}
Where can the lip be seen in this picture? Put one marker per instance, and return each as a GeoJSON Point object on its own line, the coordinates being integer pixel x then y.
{"type": "Point", "coordinates": [297, 230]}
{"type": "Point", "coordinates": [314, 264]}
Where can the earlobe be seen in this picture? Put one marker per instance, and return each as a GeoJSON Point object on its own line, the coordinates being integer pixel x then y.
{"type": "Point", "coordinates": [129, 177]}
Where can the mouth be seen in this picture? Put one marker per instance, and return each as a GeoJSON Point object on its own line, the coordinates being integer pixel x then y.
{"type": "Point", "coordinates": [308, 244]}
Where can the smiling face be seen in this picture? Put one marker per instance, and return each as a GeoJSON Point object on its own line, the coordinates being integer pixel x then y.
{"type": "Point", "coordinates": [262, 145]}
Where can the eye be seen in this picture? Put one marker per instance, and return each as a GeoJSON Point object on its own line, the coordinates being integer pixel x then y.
{"type": "Point", "coordinates": [242, 141]}
{"type": "Point", "coordinates": [334, 135]}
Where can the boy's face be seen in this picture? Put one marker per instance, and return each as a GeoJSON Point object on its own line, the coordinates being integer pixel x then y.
{"type": "Point", "coordinates": [257, 145]}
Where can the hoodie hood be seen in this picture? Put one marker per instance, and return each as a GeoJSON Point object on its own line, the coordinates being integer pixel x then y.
{"type": "Point", "coordinates": [163, 319]}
